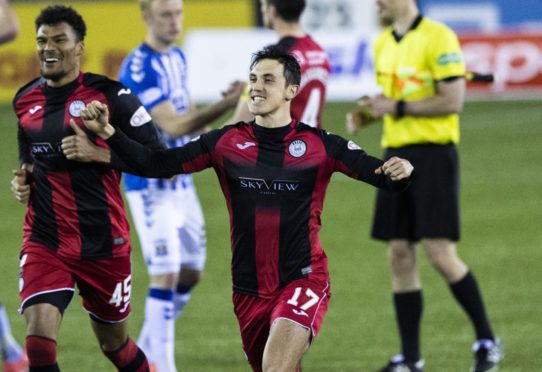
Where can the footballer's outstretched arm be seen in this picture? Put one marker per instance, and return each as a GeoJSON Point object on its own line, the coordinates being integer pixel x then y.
{"type": "Point", "coordinates": [350, 159]}
{"type": "Point", "coordinates": [143, 160]}
{"type": "Point", "coordinates": [166, 117]}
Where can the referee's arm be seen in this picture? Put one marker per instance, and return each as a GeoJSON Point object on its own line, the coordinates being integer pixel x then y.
{"type": "Point", "coordinates": [448, 99]}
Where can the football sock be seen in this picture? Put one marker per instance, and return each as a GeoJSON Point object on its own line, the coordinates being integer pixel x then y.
{"type": "Point", "coordinates": [52, 368]}
{"type": "Point", "coordinates": [128, 358]}
{"type": "Point", "coordinates": [41, 352]}
{"type": "Point", "coordinates": [160, 323]}
{"type": "Point", "coordinates": [408, 312]}
{"type": "Point", "coordinates": [467, 293]}
{"type": "Point", "coordinates": [182, 296]}
{"type": "Point", "coordinates": [10, 349]}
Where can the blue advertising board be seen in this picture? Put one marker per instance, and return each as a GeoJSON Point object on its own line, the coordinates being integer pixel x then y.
{"type": "Point", "coordinates": [488, 15]}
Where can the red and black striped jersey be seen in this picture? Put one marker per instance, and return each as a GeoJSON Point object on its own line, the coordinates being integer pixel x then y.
{"type": "Point", "coordinates": [315, 68]}
{"type": "Point", "coordinates": [274, 182]}
{"type": "Point", "coordinates": [75, 209]}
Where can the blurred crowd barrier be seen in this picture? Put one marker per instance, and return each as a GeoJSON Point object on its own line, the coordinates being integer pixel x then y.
{"type": "Point", "coordinates": [513, 57]}
{"type": "Point", "coordinates": [114, 28]}
{"type": "Point", "coordinates": [484, 15]}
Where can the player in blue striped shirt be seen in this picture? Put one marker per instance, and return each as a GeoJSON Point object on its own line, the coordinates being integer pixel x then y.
{"type": "Point", "coordinates": [166, 212]}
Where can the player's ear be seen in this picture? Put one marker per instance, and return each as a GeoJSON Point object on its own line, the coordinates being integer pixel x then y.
{"type": "Point", "coordinates": [145, 15]}
{"type": "Point", "coordinates": [80, 49]}
{"type": "Point", "coordinates": [291, 91]}
{"type": "Point", "coordinates": [271, 11]}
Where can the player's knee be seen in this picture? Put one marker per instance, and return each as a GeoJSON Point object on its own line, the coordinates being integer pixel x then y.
{"type": "Point", "coordinates": [189, 278]}
{"type": "Point", "coordinates": [164, 281]}
{"type": "Point", "coordinates": [42, 320]}
{"type": "Point", "coordinates": [111, 343]}
{"type": "Point", "coordinates": [450, 267]}
{"type": "Point", "coordinates": [439, 262]}
{"type": "Point", "coordinates": [111, 336]}
{"type": "Point", "coordinates": [442, 255]}
{"type": "Point", "coordinates": [270, 365]}
{"type": "Point", "coordinates": [276, 365]}
{"type": "Point", "coordinates": [402, 260]}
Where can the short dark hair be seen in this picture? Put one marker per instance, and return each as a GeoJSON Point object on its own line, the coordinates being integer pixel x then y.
{"type": "Point", "coordinates": [289, 10]}
{"type": "Point", "coordinates": [55, 14]}
{"type": "Point", "coordinates": [292, 70]}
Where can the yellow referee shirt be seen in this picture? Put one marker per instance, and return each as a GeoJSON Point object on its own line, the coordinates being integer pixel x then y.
{"type": "Point", "coordinates": [409, 69]}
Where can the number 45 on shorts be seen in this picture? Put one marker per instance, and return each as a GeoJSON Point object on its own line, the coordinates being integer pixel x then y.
{"type": "Point", "coordinates": [122, 294]}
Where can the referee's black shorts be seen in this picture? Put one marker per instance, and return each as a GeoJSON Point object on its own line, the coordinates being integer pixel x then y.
{"type": "Point", "coordinates": [429, 208]}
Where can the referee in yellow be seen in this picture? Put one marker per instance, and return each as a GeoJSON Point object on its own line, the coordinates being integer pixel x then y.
{"type": "Point", "coordinates": [421, 71]}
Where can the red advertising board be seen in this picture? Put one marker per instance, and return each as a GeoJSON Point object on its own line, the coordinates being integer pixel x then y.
{"type": "Point", "coordinates": [514, 58]}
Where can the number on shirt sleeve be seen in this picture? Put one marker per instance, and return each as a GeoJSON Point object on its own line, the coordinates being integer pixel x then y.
{"type": "Point", "coordinates": [310, 115]}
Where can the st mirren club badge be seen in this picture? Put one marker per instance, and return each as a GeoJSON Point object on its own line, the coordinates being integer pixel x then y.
{"type": "Point", "coordinates": [76, 107]}
{"type": "Point", "coordinates": [297, 148]}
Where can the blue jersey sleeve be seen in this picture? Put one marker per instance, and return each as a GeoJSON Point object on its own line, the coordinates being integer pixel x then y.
{"type": "Point", "coordinates": [142, 75]}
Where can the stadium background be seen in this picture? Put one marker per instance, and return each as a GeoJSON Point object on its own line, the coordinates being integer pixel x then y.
{"type": "Point", "coordinates": [501, 186]}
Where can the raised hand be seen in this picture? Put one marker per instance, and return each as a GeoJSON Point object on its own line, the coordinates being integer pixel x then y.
{"type": "Point", "coordinates": [234, 91]}
{"type": "Point", "coordinates": [380, 105]}
{"type": "Point", "coordinates": [361, 116]}
{"type": "Point", "coordinates": [396, 168]}
{"type": "Point", "coordinates": [96, 118]}
{"type": "Point", "coordinates": [79, 147]}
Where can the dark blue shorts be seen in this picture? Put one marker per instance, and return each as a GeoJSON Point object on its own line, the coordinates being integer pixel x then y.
{"type": "Point", "coordinates": [429, 208]}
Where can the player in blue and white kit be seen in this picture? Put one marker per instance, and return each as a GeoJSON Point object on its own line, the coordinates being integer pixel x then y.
{"type": "Point", "coordinates": [166, 212]}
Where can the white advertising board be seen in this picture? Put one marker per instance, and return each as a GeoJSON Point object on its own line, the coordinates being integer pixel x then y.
{"type": "Point", "coordinates": [339, 15]}
{"type": "Point", "coordinates": [218, 56]}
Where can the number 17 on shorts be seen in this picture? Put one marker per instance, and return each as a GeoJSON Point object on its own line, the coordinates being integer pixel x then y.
{"type": "Point", "coordinates": [304, 302]}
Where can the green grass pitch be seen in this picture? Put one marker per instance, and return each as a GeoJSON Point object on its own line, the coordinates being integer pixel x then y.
{"type": "Point", "coordinates": [501, 154]}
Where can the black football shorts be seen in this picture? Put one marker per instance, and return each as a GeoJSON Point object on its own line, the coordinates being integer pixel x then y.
{"type": "Point", "coordinates": [429, 208]}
